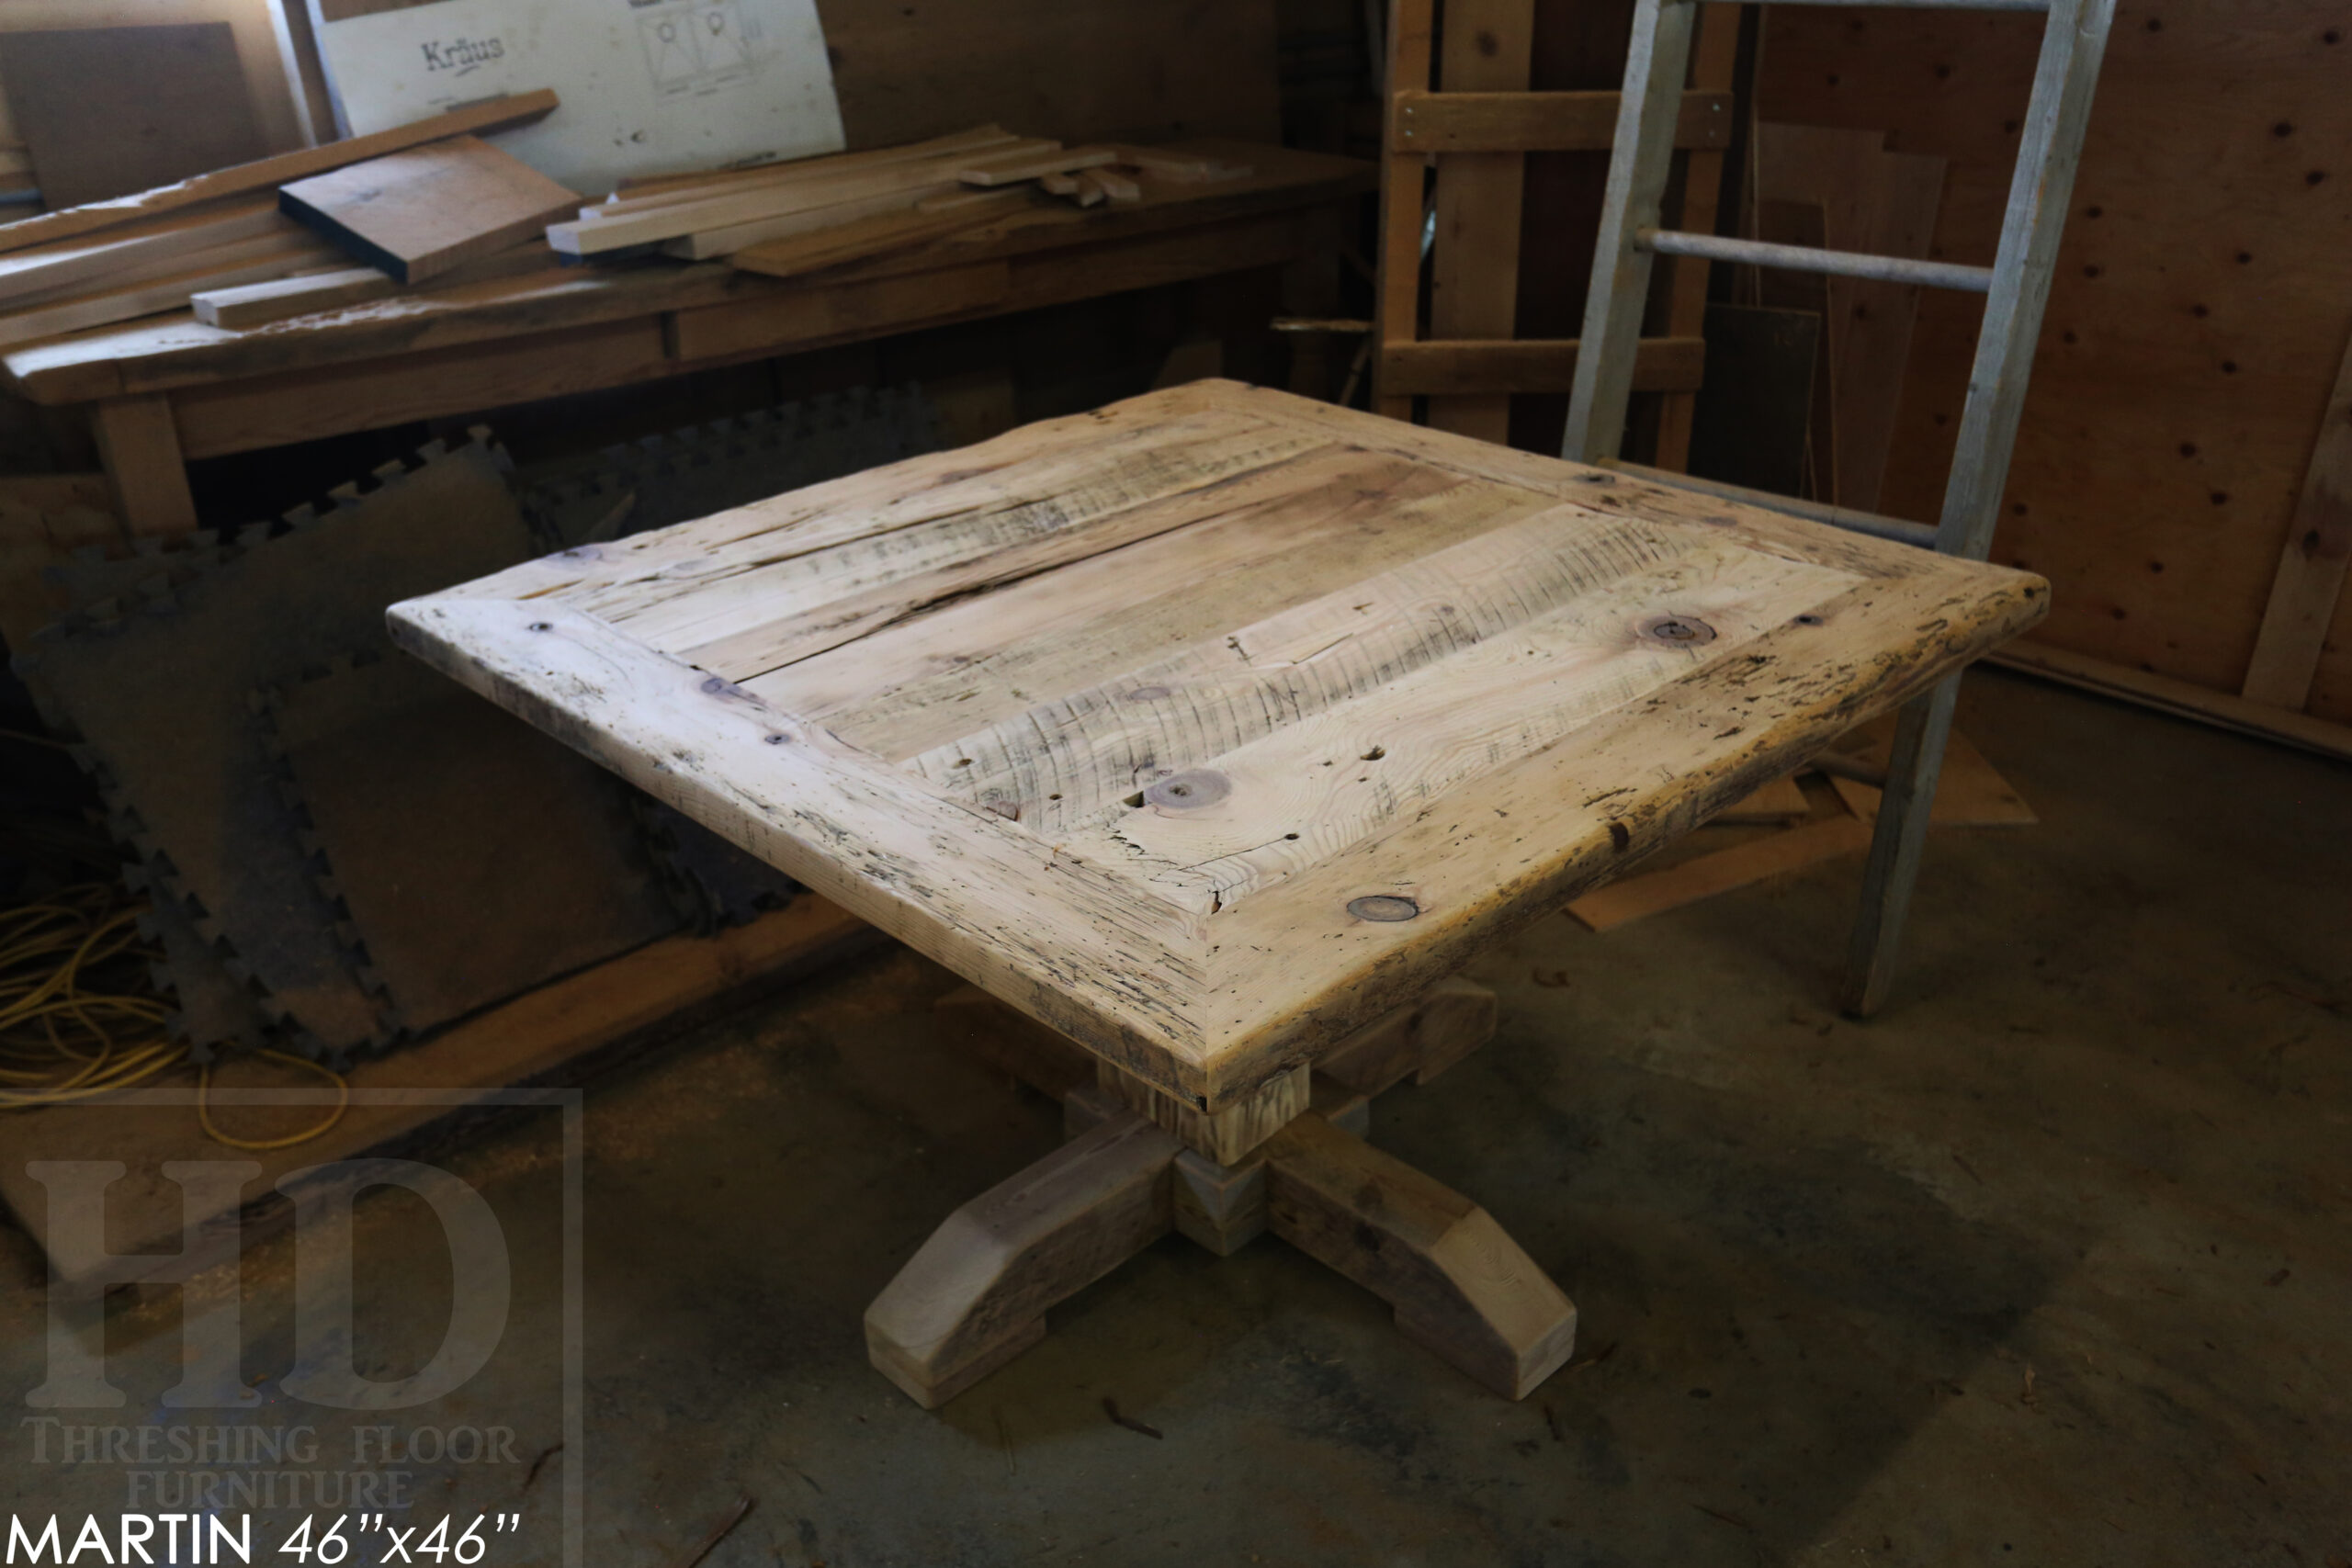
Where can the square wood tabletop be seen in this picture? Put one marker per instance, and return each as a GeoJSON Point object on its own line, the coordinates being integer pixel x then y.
{"type": "Point", "coordinates": [1205, 727]}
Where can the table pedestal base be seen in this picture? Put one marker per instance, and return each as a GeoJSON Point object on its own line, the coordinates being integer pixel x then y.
{"type": "Point", "coordinates": [974, 1294]}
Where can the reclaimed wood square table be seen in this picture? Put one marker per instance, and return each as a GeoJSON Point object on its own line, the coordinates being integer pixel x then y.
{"type": "Point", "coordinates": [1212, 730]}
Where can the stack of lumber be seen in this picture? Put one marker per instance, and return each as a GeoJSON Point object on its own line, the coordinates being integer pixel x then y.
{"type": "Point", "coordinates": [788, 219]}
{"type": "Point", "coordinates": [114, 261]}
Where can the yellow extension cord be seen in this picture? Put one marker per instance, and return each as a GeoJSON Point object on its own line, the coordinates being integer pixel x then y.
{"type": "Point", "coordinates": [60, 1043]}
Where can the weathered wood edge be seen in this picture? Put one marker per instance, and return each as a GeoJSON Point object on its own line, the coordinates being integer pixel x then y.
{"type": "Point", "coordinates": [1793, 537]}
{"type": "Point", "coordinates": [999, 906]}
{"type": "Point", "coordinates": [1259, 1020]}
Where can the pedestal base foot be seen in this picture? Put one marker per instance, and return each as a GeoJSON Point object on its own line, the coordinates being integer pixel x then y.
{"type": "Point", "coordinates": [1459, 1283]}
{"type": "Point", "coordinates": [975, 1296]}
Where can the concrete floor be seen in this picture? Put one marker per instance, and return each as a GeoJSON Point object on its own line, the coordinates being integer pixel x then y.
{"type": "Point", "coordinates": [2047, 1266]}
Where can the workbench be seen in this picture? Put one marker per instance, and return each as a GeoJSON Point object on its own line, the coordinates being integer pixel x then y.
{"type": "Point", "coordinates": [167, 390]}
{"type": "Point", "coordinates": [1213, 731]}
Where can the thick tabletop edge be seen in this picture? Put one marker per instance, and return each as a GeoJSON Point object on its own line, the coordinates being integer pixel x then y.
{"type": "Point", "coordinates": [1091, 953]}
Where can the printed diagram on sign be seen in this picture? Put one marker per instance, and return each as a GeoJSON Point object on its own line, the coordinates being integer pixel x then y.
{"type": "Point", "coordinates": [697, 48]}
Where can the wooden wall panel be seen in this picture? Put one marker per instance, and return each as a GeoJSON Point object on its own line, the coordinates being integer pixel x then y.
{"type": "Point", "coordinates": [1080, 70]}
{"type": "Point", "coordinates": [2198, 319]}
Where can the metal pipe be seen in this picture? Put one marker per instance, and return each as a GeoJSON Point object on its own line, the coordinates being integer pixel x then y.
{"type": "Point", "coordinates": [1878, 527]}
{"type": "Point", "coordinates": [1806, 258]}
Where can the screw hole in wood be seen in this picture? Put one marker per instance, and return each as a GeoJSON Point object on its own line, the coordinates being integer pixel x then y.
{"type": "Point", "coordinates": [1383, 906]}
{"type": "Point", "coordinates": [1675, 631]}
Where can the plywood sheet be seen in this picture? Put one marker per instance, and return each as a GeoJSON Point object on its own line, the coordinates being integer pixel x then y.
{"type": "Point", "coordinates": [2197, 318]}
{"type": "Point", "coordinates": [1077, 70]}
{"type": "Point", "coordinates": [105, 111]}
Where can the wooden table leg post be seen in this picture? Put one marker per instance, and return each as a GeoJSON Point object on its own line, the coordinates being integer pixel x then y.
{"type": "Point", "coordinates": [140, 445]}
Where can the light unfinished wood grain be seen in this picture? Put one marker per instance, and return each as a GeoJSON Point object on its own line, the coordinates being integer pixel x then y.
{"type": "Point", "coordinates": [423, 211]}
{"type": "Point", "coordinates": [975, 1296]}
{"type": "Point", "coordinates": [639, 188]}
{"type": "Point", "coordinates": [251, 305]}
{"type": "Point", "coordinates": [111, 259]}
{"type": "Point", "coordinates": [220, 267]}
{"type": "Point", "coordinates": [1225, 1134]}
{"type": "Point", "coordinates": [1459, 1285]}
{"type": "Point", "coordinates": [492, 115]}
{"type": "Point", "coordinates": [1207, 814]}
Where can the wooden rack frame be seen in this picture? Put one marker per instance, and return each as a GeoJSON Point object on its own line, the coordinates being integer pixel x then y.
{"type": "Point", "coordinates": [1475, 133]}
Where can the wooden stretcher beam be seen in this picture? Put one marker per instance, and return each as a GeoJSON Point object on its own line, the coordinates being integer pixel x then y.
{"type": "Point", "coordinates": [1458, 368]}
{"type": "Point", "coordinates": [1541, 122]}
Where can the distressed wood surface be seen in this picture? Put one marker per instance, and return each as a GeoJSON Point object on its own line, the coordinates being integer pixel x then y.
{"type": "Point", "coordinates": [1459, 1284]}
{"type": "Point", "coordinates": [1208, 727]}
{"type": "Point", "coordinates": [975, 1296]}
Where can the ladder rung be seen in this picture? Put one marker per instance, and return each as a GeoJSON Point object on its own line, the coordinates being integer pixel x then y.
{"type": "Point", "coordinates": [1806, 258]}
{"type": "Point", "coordinates": [1931, 5]}
{"type": "Point", "coordinates": [1900, 530]}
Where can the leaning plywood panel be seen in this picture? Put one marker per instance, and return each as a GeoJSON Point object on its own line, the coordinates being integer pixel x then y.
{"type": "Point", "coordinates": [648, 85]}
{"type": "Point", "coordinates": [421, 212]}
{"type": "Point", "coordinates": [105, 111]}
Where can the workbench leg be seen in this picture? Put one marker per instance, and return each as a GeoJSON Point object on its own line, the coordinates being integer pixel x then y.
{"type": "Point", "coordinates": [1897, 846]}
{"type": "Point", "coordinates": [1459, 1285]}
{"type": "Point", "coordinates": [975, 1296]}
{"type": "Point", "coordinates": [139, 447]}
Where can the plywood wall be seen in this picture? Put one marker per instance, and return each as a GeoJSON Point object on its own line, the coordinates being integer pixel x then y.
{"type": "Point", "coordinates": [2200, 313]}
{"type": "Point", "coordinates": [1079, 70]}
{"type": "Point", "coordinates": [258, 49]}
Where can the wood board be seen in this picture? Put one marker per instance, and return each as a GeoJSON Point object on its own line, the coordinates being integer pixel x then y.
{"type": "Point", "coordinates": [1484, 47]}
{"type": "Point", "coordinates": [117, 256]}
{"type": "Point", "coordinates": [264, 174]}
{"type": "Point", "coordinates": [1724, 871]}
{"type": "Point", "coordinates": [1030, 706]}
{"type": "Point", "coordinates": [246, 306]}
{"type": "Point", "coordinates": [1970, 792]}
{"type": "Point", "coordinates": [106, 111]}
{"type": "Point", "coordinates": [273, 256]}
{"type": "Point", "coordinates": [558, 318]}
{"type": "Point", "coordinates": [423, 211]}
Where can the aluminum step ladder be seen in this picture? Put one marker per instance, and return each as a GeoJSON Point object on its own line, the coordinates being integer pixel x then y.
{"type": "Point", "coordinates": [2016, 287]}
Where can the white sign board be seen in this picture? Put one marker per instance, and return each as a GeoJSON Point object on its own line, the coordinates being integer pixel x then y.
{"type": "Point", "coordinates": [649, 86]}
